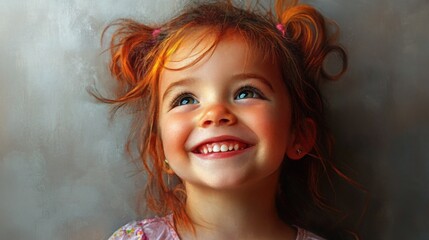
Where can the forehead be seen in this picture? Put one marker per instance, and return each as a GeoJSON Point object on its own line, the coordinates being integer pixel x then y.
{"type": "Point", "coordinates": [204, 58]}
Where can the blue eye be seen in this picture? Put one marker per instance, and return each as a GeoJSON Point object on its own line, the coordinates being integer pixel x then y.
{"type": "Point", "coordinates": [187, 100]}
{"type": "Point", "coordinates": [248, 92]}
{"type": "Point", "coordinates": [183, 99]}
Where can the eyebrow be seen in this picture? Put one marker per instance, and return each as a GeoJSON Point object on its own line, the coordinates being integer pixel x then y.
{"type": "Point", "coordinates": [182, 82]}
{"type": "Point", "coordinates": [243, 76]}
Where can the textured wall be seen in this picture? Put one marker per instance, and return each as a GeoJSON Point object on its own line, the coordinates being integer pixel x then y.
{"type": "Point", "coordinates": [380, 111]}
{"type": "Point", "coordinates": [63, 173]}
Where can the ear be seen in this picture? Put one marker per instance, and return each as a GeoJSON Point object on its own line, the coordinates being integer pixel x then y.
{"type": "Point", "coordinates": [304, 140]}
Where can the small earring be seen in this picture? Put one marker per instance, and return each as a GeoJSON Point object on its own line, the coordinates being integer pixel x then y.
{"type": "Point", "coordinates": [299, 151]}
{"type": "Point", "coordinates": [167, 165]}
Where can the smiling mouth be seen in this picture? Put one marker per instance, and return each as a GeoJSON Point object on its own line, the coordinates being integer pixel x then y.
{"type": "Point", "coordinates": [221, 147]}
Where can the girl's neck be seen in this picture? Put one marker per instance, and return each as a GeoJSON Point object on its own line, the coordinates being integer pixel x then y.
{"type": "Point", "coordinates": [245, 213]}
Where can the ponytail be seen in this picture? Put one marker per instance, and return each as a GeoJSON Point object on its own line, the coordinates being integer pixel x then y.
{"type": "Point", "coordinates": [132, 48]}
{"type": "Point", "coordinates": [307, 28]}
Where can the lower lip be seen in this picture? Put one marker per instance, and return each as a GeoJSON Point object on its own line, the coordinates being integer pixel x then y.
{"type": "Point", "coordinates": [221, 155]}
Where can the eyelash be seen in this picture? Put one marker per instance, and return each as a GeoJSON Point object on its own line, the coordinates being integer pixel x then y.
{"type": "Point", "coordinates": [179, 98]}
{"type": "Point", "coordinates": [176, 101]}
{"type": "Point", "coordinates": [252, 89]}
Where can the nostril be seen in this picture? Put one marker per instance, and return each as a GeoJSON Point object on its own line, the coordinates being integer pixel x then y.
{"type": "Point", "coordinates": [220, 122]}
{"type": "Point", "coordinates": [208, 122]}
{"type": "Point", "coordinates": [224, 120]}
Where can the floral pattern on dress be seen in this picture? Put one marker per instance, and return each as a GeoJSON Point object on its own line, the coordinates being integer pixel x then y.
{"type": "Point", "coordinates": [131, 231]}
{"type": "Point", "coordinates": [157, 228]}
{"type": "Point", "coordinates": [161, 228]}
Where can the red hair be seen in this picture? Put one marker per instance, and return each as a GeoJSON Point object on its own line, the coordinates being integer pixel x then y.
{"type": "Point", "coordinates": [296, 37]}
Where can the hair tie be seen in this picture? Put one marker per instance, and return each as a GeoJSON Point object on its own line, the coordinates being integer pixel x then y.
{"type": "Point", "coordinates": [281, 28]}
{"type": "Point", "coordinates": [156, 32]}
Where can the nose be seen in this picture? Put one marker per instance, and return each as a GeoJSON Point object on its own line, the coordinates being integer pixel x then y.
{"type": "Point", "coordinates": [217, 115]}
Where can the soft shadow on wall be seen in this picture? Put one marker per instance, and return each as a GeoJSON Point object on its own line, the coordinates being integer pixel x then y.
{"type": "Point", "coordinates": [379, 112]}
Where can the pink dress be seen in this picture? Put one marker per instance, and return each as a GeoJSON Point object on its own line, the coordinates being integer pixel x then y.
{"type": "Point", "coordinates": [161, 229]}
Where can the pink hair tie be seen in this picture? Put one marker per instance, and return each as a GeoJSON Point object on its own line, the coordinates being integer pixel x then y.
{"type": "Point", "coordinates": [156, 32]}
{"type": "Point", "coordinates": [281, 28]}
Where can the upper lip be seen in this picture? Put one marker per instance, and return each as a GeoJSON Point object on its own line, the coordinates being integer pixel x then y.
{"type": "Point", "coordinates": [219, 139]}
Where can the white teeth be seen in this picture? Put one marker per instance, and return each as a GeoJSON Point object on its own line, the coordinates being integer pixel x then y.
{"type": "Point", "coordinates": [223, 148]}
{"type": "Point", "coordinates": [216, 148]}
{"type": "Point", "coordinates": [220, 147]}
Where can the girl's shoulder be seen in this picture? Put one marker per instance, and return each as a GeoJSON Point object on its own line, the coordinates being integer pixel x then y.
{"type": "Point", "coordinates": [151, 228]}
{"type": "Point", "coordinates": [302, 234]}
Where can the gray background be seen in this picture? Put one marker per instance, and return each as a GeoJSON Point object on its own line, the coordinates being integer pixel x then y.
{"type": "Point", "coordinates": [63, 171]}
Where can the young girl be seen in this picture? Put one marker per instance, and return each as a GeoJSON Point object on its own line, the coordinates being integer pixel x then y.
{"type": "Point", "coordinates": [229, 121]}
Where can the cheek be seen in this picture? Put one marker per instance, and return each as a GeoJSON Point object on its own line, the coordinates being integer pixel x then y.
{"type": "Point", "coordinates": [272, 126]}
{"type": "Point", "coordinates": [271, 121]}
{"type": "Point", "coordinates": [174, 132]}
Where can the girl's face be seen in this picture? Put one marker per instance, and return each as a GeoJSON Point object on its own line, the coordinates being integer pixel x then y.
{"type": "Point", "coordinates": [225, 122]}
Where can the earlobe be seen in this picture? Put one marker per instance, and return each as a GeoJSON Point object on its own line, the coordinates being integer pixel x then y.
{"type": "Point", "coordinates": [304, 140]}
